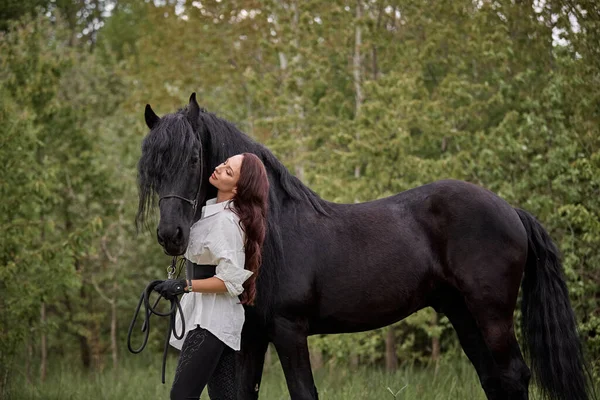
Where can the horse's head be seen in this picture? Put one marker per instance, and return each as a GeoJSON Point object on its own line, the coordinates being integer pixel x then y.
{"type": "Point", "coordinates": [173, 169]}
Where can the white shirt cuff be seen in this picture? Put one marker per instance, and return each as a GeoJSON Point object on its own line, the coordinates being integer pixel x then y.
{"type": "Point", "coordinates": [233, 277]}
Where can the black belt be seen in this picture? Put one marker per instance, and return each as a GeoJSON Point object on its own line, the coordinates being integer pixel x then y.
{"type": "Point", "coordinates": [199, 271]}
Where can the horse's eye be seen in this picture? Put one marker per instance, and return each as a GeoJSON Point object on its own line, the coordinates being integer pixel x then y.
{"type": "Point", "coordinates": [194, 160]}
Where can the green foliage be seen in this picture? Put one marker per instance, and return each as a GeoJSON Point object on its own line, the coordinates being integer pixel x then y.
{"type": "Point", "coordinates": [14, 9]}
{"type": "Point", "coordinates": [478, 91]}
{"type": "Point", "coordinates": [16, 134]}
{"type": "Point", "coordinates": [59, 190]}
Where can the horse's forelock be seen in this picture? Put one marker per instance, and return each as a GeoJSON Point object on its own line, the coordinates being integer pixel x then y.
{"type": "Point", "coordinates": [166, 152]}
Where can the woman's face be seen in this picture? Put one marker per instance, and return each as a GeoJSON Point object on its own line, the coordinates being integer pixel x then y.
{"type": "Point", "coordinates": [226, 176]}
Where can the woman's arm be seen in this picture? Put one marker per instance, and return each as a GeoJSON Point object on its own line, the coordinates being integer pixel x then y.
{"type": "Point", "coordinates": [208, 285]}
{"type": "Point", "coordinates": [224, 248]}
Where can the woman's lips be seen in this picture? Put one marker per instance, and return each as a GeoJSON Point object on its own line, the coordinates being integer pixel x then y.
{"type": "Point", "coordinates": [213, 176]}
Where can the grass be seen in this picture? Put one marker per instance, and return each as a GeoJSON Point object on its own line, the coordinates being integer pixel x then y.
{"type": "Point", "coordinates": [139, 379]}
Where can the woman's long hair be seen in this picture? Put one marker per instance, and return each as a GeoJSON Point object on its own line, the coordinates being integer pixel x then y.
{"type": "Point", "coordinates": [251, 202]}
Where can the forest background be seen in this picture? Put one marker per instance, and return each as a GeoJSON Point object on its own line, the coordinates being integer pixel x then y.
{"type": "Point", "coordinates": [359, 99]}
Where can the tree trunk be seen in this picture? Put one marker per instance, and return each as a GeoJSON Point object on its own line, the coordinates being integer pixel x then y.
{"type": "Point", "coordinates": [84, 343]}
{"type": "Point", "coordinates": [4, 381]}
{"type": "Point", "coordinates": [113, 330]}
{"type": "Point", "coordinates": [356, 64]}
{"type": "Point", "coordinates": [84, 347]}
{"type": "Point", "coordinates": [435, 345]}
{"type": "Point", "coordinates": [297, 107]}
{"type": "Point", "coordinates": [358, 100]}
{"type": "Point", "coordinates": [374, 57]}
{"type": "Point", "coordinates": [96, 347]}
{"type": "Point", "coordinates": [316, 359]}
{"type": "Point", "coordinates": [28, 378]}
{"type": "Point", "coordinates": [391, 358]}
{"type": "Point", "coordinates": [354, 361]}
{"type": "Point", "coordinates": [373, 46]}
{"type": "Point", "coordinates": [43, 344]}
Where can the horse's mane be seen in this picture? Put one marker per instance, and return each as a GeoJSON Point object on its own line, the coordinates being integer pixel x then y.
{"type": "Point", "coordinates": [226, 140]}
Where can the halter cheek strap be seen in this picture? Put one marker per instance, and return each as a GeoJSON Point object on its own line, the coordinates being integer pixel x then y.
{"type": "Point", "coordinates": [193, 203]}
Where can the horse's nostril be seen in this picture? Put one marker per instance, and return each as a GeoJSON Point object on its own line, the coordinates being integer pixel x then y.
{"type": "Point", "coordinates": [160, 239]}
{"type": "Point", "coordinates": [178, 235]}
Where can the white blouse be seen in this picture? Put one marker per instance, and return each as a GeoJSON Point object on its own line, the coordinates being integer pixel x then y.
{"type": "Point", "coordinates": [216, 239]}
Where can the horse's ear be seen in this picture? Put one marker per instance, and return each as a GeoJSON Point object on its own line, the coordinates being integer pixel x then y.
{"type": "Point", "coordinates": [193, 110]}
{"type": "Point", "coordinates": [151, 117]}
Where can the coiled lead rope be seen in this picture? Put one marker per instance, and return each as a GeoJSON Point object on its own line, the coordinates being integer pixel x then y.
{"type": "Point", "coordinates": [149, 310]}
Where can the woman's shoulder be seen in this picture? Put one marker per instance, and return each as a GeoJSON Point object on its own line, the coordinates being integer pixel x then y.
{"type": "Point", "coordinates": [226, 217]}
{"type": "Point", "coordinates": [227, 225]}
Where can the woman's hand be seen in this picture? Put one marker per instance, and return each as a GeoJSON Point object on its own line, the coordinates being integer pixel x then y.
{"type": "Point", "coordinates": [171, 288]}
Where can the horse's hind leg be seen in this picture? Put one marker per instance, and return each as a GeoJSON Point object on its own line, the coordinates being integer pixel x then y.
{"type": "Point", "coordinates": [469, 335]}
{"type": "Point", "coordinates": [510, 380]}
{"type": "Point", "coordinates": [510, 377]}
{"type": "Point", "coordinates": [492, 348]}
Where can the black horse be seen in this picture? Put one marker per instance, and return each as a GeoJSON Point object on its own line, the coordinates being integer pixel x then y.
{"type": "Point", "coordinates": [333, 268]}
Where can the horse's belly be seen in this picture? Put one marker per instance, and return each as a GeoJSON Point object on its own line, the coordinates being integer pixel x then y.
{"type": "Point", "coordinates": [361, 320]}
{"type": "Point", "coordinates": [380, 297]}
{"type": "Point", "coordinates": [356, 313]}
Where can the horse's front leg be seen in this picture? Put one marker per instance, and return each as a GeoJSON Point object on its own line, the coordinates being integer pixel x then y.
{"type": "Point", "coordinates": [290, 340]}
{"type": "Point", "coordinates": [251, 360]}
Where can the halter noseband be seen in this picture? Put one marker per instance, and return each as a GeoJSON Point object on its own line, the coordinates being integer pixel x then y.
{"type": "Point", "coordinates": [193, 203]}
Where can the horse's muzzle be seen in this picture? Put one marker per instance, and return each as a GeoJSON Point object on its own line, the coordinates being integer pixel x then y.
{"type": "Point", "coordinates": [174, 244]}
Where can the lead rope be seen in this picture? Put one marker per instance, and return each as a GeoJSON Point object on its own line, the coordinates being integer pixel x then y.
{"type": "Point", "coordinates": [149, 310]}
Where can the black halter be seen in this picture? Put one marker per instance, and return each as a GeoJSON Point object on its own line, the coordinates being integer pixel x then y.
{"type": "Point", "coordinates": [194, 202]}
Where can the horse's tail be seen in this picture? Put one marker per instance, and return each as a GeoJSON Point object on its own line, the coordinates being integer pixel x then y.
{"type": "Point", "coordinates": [549, 328]}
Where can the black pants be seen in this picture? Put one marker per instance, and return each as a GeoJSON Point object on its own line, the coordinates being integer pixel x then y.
{"type": "Point", "coordinates": [204, 359]}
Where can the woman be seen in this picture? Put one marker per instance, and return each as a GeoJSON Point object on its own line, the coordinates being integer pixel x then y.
{"type": "Point", "coordinates": [225, 242]}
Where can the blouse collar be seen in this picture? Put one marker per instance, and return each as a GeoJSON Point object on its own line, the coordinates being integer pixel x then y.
{"type": "Point", "coordinates": [212, 207]}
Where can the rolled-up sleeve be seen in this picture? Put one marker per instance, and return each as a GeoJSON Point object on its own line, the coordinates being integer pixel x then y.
{"type": "Point", "coordinates": [227, 246]}
{"type": "Point", "coordinates": [233, 274]}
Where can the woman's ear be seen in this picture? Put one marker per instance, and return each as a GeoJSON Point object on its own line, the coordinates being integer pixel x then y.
{"type": "Point", "coordinates": [234, 190]}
